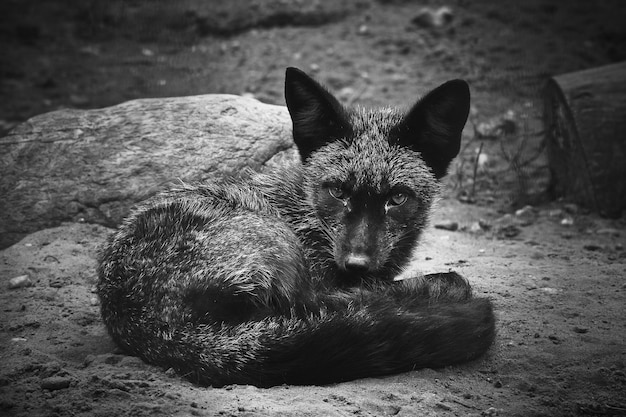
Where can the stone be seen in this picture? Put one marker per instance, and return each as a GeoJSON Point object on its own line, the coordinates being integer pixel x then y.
{"type": "Point", "coordinates": [55, 383]}
{"type": "Point", "coordinates": [94, 165]}
{"type": "Point", "coordinates": [20, 282]}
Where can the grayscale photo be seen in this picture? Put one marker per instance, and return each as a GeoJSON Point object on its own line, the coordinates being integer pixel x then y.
{"type": "Point", "coordinates": [312, 208]}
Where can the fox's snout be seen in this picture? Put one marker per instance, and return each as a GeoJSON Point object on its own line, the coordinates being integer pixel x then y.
{"type": "Point", "coordinates": [359, 250]}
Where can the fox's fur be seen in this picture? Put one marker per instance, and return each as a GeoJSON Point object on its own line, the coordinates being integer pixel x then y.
{"type": "Point", "coordinates": [288, 276]}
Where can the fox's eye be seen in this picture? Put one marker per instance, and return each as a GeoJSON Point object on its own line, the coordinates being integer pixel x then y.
{"type": "Point", "coordinates": [337, 192]}
{"type": "Point", "coordinates": [397, 199]}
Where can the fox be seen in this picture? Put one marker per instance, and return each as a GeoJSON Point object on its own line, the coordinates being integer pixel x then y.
{"type": "Point", "coordinates": [289, 276]}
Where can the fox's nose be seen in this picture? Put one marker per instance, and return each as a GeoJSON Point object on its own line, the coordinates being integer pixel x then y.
{"type": "Point", "coordinates": [357, 262]}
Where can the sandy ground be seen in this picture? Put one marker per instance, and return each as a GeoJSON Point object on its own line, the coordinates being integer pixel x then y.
{"type": "Point", "coordinates": [559, 292]}
{"type": "Point", "coordinates": [556, 273]}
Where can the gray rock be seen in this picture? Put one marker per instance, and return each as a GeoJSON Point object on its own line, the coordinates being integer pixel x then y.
{"type": "Point", "coordinates": [55, 383]}
{"type": "Point", "coordinates": [20, 282]}
{"type": "Point", "coordinates": [93, 165]}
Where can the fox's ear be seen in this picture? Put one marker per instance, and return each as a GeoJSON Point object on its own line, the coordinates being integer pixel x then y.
{"type": "Point", "coordinates": [317, 116]}
{"type": "Point", "coordinates": [434, 125]}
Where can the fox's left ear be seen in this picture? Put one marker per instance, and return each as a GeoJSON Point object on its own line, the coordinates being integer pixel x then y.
{"type": "Point", "coordinates": [434, 125]}
{"type": "Point", "coordinates": [318, 118]}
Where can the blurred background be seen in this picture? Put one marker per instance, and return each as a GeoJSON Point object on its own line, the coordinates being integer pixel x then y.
{"type": "Point", "coordinates": [95, 53]}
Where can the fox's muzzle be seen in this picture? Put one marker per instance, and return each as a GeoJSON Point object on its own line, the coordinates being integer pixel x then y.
{"type": "Point", "coordinates": [360, 247]}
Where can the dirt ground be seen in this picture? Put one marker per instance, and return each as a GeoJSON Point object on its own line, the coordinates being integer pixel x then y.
{"type": "Point", "coordinates": [555, 271]}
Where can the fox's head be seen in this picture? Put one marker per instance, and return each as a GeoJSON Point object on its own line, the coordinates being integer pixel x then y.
{"type": "Point", "coordinates": [372, 175]}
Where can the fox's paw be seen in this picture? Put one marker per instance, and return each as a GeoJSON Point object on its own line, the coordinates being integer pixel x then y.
{"type": "Point", "coordinates": [444, 286]}
{"type": "Point", "coordinates": [447, 286]}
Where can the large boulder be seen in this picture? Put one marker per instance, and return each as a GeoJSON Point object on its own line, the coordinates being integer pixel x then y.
{"type": "Point", "coordinates": [93, 165]}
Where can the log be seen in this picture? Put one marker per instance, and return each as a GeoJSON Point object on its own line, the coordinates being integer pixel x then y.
{"type": "Point", "coordinates": [585, 120]}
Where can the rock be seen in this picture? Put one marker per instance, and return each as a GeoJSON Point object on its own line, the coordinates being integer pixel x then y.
{"type": "Point", "coordinates": [550, 291]}
{"type": "Point", "coordinates": [491, 411]}
{"type": "Point", "coordinates": [54, 383]}
{"type": "Point", "coordinates": [93, 165]}
{"type": "Point", "coordinates": [508, 227]}
{"type": "Point", "coordinates": [447, 225]}
{"type": "Point", "coordinates": [18, 339]}
{"type": "Point", "coordinates": [433, 18]}
{"type": "Point", "coordinates": [526, 215]}
{"type": "Point", "coordinates": [475, 227]}
{"type": "Point", "coordinates": [20, 282]}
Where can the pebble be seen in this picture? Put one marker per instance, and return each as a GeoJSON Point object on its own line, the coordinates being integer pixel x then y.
{"type": "Point", "coordinates": [447, 225]}
{"type": "Point", "coordinates": [549, 290]}
{"type": "Point", "coordinates": [527, 215]}
{"type": "Point", "coordinates": [491, 411]}
{"type": "Point", "coordinates": [508, 232]}
{"type": "Point", "coordinates": [346, 93]}
{"type": "Point", "coordinates": [484, 224]}
{"type": "Point", "coordinates": [54, 383]}
{"type": "Point", "coordinates": [429, 18]}
{"type": "Point", "coordinates": [20, 282]}
{"type": "Point", "coordinates": [608, 231]}
{"type": "Point", "coordinates": [56, 283]}
{"type": "Point", "coordinates": [475, 227]}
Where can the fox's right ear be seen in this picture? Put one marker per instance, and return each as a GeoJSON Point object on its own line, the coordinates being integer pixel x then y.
{"type": "Point", "coordinates": [435, 124]}
{"type": "Point", "coordinates": [317, 116]}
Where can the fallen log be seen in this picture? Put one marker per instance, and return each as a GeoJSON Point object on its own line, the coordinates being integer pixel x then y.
{"type": "Point", "coordinates": [585, 119]}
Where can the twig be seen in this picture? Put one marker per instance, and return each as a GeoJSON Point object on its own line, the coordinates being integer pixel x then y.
{"type": "Point", "coordinates": [480, 150]}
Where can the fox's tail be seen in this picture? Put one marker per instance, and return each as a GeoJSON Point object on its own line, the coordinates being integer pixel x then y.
{"type": "Point", "coordinates": [371, 337]}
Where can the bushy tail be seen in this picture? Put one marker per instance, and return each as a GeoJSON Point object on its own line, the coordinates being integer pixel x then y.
{"type": "Point", "coordinates": [373, 336]}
